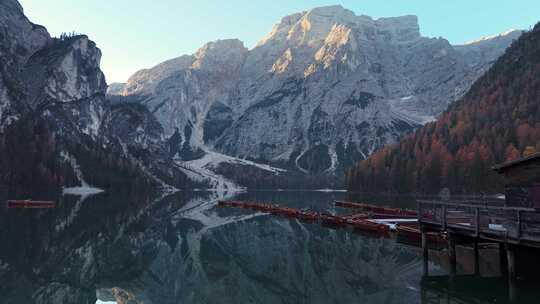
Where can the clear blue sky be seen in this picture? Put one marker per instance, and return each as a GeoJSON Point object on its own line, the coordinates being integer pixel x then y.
{"type": "Point", "coordinates": [135, 34]}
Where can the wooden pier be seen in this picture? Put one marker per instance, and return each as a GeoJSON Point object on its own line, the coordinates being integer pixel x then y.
{"type": "Point", "coordinates": [514, 229]}
{"type": "Point", "coordinates": [513, 223]}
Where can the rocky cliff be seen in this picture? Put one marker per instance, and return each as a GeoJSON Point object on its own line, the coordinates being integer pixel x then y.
{"type": "Point", "coordinates": [19, 39]}
{"type": "Point", "coordinates": [116, 88]}
{"type": "Point", "coordinates": [57, 127]}
{"type": "Point", "coordinates": [323, 89]}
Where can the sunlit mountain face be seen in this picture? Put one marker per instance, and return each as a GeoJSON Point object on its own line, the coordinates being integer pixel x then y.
{"type": "Point", "coordinates": [324, 89]}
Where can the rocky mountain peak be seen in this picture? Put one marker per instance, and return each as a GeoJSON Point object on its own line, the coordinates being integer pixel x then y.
{"type": "Point", "coordinates": [325, 85]}
{"type": "Point", "coordinates": [19, 40]}
{"type": "Point", "coordinates": [144, 82]}
{"type": "Point", "coordinates": [19, 36]}
{"type": "Point", "coordinates": [79, 73]}
{"type": "Point", "coordinates": [14, 5]}
{"type": "Point", "coordinates": [116, 88]}
{"type": "Point", "coordinates": [318, 22]}
{"type": "Point", "coordinates": [315, 25]}
{"type": "Point", "coordinates": [220, 53]}
{"type": "Point", "coordinates": [510, 34]}
{"type": "Point", "coordinates": [486, 47]}
{"type": "Point", "coordinates": [67, 69]}
{"type": "Point", "coordinates": [309, 26]}
{"type": "Point", "coordinates": [281, 30]}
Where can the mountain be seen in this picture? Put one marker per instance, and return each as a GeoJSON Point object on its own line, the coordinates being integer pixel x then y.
{"type": "Point", "coordinates": [57, 127]}
{"type": "Point", "coordinates": [115, 88]}
{"type": "Point", "coordinates": [19, 39]}
{"type": "Point", "coordinates": [496, 121]}
{"type": "Point", "coordinates": [324, 89]}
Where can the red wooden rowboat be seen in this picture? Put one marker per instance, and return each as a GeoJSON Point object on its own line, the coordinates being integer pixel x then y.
{"type": "Point", "coordinates": [29, 204]}
{"type": "Point", "coordinates": [364, 225]}
{"type": "Point", "coordinates": [378, 210]}
{"type": "Point", "coordinates": [412, 232]}
{"type": "Point", "coordinates": [329, 219]}
{"type": "Point", "coordinates": [309, 216]}
{"type": "Point", "coordinates": [357, 220]}
{"type": "Point", "coordinates": [356, 216]}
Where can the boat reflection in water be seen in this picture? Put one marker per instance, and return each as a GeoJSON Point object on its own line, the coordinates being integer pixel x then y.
{"type": "Point", "coordinates": [29, 204]}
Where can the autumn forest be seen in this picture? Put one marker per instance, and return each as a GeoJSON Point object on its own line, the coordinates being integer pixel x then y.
{"type": "Point", "coordinates": [498, 120]}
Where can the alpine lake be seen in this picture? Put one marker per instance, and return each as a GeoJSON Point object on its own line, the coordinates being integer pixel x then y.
{"type": "Point", "coordinates": [183, 248]}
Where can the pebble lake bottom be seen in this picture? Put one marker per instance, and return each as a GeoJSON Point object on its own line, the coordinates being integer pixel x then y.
{"type": "Point", "coordinates": [184, 249]}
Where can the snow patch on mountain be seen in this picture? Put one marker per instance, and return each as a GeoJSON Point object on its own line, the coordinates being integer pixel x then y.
{"type": "Point", "coordinates": [212, 159]}
{"type": "Point", "coordinates": [510, 32]}
{"type": "Point", "coordinates": [85, 189]}
{"type": "Point", "coordinates": [201, 170]}
{"type": "Point", "coordinates": [402, 111]}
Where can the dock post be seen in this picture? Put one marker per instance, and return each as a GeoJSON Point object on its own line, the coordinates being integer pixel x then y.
{"type": "Point", "coordinates": [511, 259]}
{"type": "Point", "coordinates": [425, 251]}
{"type": "Point", "coordinates": [452, 255]}
{"type": "Point", "coordinates": [476, 258]}
{"type": "Point", "coordinates": [503, 260]}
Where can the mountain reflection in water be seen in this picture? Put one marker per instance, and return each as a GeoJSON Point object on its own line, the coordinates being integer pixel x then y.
{"type": "Point", "coordinates": [184, 249]}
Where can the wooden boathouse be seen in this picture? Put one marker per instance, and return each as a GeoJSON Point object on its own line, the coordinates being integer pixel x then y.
{"type": "Point", "coordinates": [523, 181]}
{"type": "Point", "coordinates": [513, 224]}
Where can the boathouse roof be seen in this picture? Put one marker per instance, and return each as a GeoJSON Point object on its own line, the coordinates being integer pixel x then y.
{"type": "Point", "coordinates": [518, 162]}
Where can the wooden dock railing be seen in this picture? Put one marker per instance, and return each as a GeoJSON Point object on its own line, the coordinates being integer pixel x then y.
{"type": "Point", "coordinates": [481, 219]}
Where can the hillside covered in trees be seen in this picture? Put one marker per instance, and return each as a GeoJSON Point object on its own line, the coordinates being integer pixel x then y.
{"type": "Point", "coordinates": [496, 121]}
{"type": "Point", "coordinates": [29, 150]}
